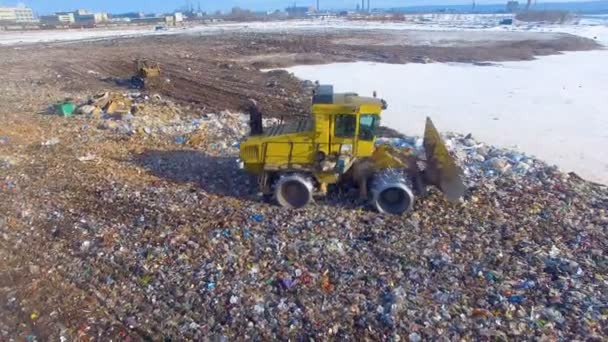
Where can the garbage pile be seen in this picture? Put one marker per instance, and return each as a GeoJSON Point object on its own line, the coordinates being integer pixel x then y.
{"type": "Point", "coordinates": [137, 113]}
{"type": "Point", "coordinates": [479, 160]}
{"type": "Point", "coordinates": [219, 131]}
{"type": "Point", "coordinates": [193, 253]}
{"type": "Point", "coordinates": [518, 258]}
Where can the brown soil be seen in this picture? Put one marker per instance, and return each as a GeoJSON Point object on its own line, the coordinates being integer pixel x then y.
{"type": "Point", "coordinates": [219, 72]}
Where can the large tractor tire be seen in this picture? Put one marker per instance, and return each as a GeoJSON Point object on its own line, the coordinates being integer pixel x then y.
{"type": "Point", "coordinates": [391, 193]}
{"type": "Point", "coordinates": [294, 191]}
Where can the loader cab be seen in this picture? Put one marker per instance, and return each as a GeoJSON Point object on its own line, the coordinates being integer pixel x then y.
{"type": "Point", "coordinates": [345, 124]}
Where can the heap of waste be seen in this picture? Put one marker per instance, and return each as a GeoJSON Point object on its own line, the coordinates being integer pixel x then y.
{"type": "Point", "coordinates": [186, 250]}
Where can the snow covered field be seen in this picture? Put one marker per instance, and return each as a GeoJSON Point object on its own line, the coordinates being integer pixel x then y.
{"type": "Point", "coordinates": [481, 23]}
{"type": "Point", "coordinates": [29, 37]}
{"type": "Point", "coordinates": [439, 22]}
{"type": "Point", "coordinates": [554, 107]}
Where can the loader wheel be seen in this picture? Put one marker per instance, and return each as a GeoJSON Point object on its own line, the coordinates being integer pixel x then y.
{"type": "Point", "coordinates": [294, 191]}
{"type": "Point", "coordinates": [390, 193]}
{"type": "Point", "coordinates": [394, 200]}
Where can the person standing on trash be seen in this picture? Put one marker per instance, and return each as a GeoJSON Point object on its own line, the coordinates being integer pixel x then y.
{"type": "Point", "coordinates": [255, 117]}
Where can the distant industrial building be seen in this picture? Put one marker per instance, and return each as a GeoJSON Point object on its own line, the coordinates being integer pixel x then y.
{"type": "Point", "coordinates": [59, 18]}
{"type": "Point", "coordinates": [17, 15]}
{"type": "Point", "coordinates": [78, 17]}
{"type": "Point", "coordinates": [168, 20]}
{"type": "Point", "coordinates": [131, 15]}
{"type": "Point", "coordinates": [299, 11]}
{"type": "Point", "coordinates": [85, 17]}
{"type": "Point", "coordinates": [66, 17]}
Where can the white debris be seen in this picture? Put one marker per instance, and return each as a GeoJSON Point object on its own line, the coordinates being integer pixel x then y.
{"type": "Point", "coordinates": [88, 157]}
{"type": "Point", "coordinates": [51, 142]}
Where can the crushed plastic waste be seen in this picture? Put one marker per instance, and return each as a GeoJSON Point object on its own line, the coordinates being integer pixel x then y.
{"type": "Point", "coordinates": [257, 217]}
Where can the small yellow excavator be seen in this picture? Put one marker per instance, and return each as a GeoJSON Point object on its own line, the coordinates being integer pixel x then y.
{"type": "Point", "coordinates": [147, 74]}
{"type": "Point", "coordinates": [297, 160]}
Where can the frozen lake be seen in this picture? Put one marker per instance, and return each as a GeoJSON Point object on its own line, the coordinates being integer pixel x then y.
{"type": "Point", "coordinates": [554, 107]}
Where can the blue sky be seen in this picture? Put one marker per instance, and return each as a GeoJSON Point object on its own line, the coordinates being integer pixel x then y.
{"type": "Point", "coordinates": [119, 6]}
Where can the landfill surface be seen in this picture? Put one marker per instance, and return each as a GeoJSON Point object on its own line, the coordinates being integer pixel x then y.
{"type": "Point", "coordinates": [139, 225]}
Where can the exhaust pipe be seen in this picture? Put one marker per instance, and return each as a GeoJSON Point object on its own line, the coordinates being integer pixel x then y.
{"type": "Point", "coordinates": [391, 193]}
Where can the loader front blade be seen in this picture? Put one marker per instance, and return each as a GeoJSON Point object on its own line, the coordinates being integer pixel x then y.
{"type": "Point", "coordinates": [442, 170]}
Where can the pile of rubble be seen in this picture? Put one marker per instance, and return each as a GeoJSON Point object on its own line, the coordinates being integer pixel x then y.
{"type": "Point", "coordinates": [137, 113]}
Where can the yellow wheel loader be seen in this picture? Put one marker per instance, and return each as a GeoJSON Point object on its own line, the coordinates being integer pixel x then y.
{"type": "Point", "coordinates": [297, 160]}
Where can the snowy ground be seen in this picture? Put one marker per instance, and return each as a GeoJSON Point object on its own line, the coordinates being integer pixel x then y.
{"type": "Point", "coordinates": [553, 107]}
{"type": "Point", "coordinates": [440, 22]}
{"type": "Point", "coordinates": [482, 24]}
{"type": "Point", "coordinates": [28, 37]}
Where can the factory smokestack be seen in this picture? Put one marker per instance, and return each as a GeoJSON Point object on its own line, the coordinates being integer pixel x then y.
{"type": "Point", "coordinates": [369, 8]}
{"type": "Point", "coordinates": [318, 8]}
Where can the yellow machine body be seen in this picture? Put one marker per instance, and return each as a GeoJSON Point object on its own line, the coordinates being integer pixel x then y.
{"type": "Point", "coordinates": [336, 134]}
{"type": "Point", "coordinates": [145, 69]}
{"type": "Point", "coordinates": [336, 143]}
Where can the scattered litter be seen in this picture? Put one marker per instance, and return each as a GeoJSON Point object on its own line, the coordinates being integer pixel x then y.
{"type": "Point", "coordinates": [257, 217]}
{"type": "Point", "coordinates": [516, 299]}
{"type": "Point", "coordinates": [112, 103]}
{"type": "Point", "coordinates": [87, 109]}
{"type": "Point", "coordinates": [88, 157]}
{"type": "Point", "coordinates": [65, 108]}
{"type": "Point", "coordinates": [183, 233]}
{"type": "Point", "coordinates": [51, 142]}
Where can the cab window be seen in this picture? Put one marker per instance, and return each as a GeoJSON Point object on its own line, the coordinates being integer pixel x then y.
{"type": "Point", "coordinates": [368, 125]}
{"type": "Point", "coordinates": [345, 126]}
